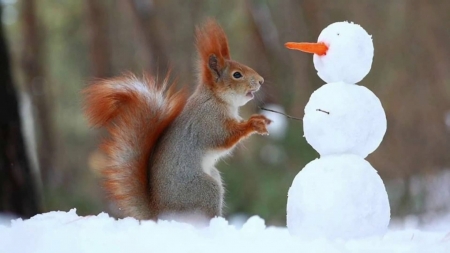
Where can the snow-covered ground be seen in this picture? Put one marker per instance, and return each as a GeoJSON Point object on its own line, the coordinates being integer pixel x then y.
{"type": "Point", "coordinates": [67, 232]}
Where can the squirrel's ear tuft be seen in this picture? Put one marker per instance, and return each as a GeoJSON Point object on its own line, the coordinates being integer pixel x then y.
{"type": "Point", "coordinates": [212, 42]}
{"type": "Point", "coordinates": [213, 65]}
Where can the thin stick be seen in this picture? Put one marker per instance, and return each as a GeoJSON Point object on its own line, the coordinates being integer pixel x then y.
{"type": "Point", "coordinates": [265, 109]}
{"type": "Point", "coordinates": [320, 110]}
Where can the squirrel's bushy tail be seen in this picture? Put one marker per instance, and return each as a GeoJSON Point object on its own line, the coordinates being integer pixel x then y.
{"type": "Point", "coordinates": [135, 112]}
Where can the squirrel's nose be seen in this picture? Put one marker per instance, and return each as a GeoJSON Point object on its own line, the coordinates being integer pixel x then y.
{"type": "Point", "coordinates": [260, 80]}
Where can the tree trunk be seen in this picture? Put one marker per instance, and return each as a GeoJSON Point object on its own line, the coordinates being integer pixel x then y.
{"type": "Point", "coordinates": [143, 15]}
{"type": "Point", "coordinates": [18, 194]}
{"type": "Point", "coordinates": [35, 84]}
{"type": "Point", "coordinates": [99, 41]}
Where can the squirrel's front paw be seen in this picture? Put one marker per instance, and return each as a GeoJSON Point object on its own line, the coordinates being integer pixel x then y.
{"type": "Point", "coordinates": [260, 123]}
{"type": "Point", "coordinates": [261, 117]}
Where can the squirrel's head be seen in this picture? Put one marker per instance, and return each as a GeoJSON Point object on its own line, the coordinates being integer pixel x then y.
{"type": "Point", "coordinates": [233, 82]}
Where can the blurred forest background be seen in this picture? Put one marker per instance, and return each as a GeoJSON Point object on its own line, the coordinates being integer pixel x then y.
{"type": "Point", "coordinates": [56, 47]}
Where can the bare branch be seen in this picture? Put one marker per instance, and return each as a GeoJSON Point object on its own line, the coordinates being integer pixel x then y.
{"type": "Point", "coordinates": [265, 109]}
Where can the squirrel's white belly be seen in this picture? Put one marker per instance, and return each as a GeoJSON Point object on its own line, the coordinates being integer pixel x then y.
{"type": "Point", "coordinates": [210, 159]}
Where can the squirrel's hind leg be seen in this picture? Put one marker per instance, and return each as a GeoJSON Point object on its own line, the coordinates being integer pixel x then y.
{"type": "Point", "coordinates": [207, 191]}
{"type": "Point", "coordinates": [198, 201]}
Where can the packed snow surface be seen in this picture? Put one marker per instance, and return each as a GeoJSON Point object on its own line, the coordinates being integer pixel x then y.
{"type": "Point", "coordinates": [344, 118]}
{"type": "Point", "coordinates": [338, 197]}
{"type": "Point", "coordinates": [349, 56]}
{"type": "Point", "coordinates": [57, 232]}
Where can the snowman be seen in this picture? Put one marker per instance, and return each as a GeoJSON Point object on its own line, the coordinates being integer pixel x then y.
{"type": "Point", "coordinates": [340, 195]}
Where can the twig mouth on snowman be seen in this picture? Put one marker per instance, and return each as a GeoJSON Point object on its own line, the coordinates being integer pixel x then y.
{"type": "Point", "coordinates": [320, 110]}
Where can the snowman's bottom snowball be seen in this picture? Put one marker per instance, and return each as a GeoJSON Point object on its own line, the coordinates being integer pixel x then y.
{"type": "Point", "coordinates": [339, 196]}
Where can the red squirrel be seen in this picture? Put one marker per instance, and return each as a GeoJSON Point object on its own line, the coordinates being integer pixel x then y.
{"type": "Point", "coordinates": [162, 146]}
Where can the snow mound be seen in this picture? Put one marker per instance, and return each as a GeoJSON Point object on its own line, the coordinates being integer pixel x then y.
{"type": "Point", "coordinates": [344, 118]}
{"type": "Point", "coordinates": [67, 232]}
{"type": "Point", "coordinates": [338, 197]}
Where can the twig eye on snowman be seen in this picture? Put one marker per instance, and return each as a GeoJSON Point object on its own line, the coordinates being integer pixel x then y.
{"type": "Point", "coordinates": [340, 195]}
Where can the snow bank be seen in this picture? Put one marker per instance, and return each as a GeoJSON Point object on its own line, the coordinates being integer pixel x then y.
{"type": "Point", "coordinates": [67, 232]}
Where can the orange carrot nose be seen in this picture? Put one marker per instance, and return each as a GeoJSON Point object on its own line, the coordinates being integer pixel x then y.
{"type": "Point", "coordinates": [314, 48]}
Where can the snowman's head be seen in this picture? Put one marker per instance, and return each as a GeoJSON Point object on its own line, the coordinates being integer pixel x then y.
{"type": "Point", "coordinates": [343, 52]}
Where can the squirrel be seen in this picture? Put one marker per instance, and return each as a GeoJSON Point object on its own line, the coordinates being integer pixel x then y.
{"type": "Point", "coordinates": [162, 146]}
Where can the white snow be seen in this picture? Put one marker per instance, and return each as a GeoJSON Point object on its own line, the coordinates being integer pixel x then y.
{"type": "Point", "coordinates": [344, 118]}
{"type": "Point", "coordinates": [349, 56]}
{"type": "Point", "coordinates": [339, 197]}
{"type": "Point", "coordinates": [67, 232]}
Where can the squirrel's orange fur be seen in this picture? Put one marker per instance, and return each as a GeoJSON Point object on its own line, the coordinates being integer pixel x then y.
{"type": "Point", "coordinates": [211, 39]}
{"type": "Point", "coordinates": [119, 106]}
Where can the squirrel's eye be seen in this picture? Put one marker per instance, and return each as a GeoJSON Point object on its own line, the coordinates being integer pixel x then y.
{"type": "Point", "coordinates": [237, 75]}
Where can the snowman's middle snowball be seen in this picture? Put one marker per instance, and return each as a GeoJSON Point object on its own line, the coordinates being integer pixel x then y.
{"type": "Point", "coordinates": [344, 118]}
